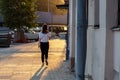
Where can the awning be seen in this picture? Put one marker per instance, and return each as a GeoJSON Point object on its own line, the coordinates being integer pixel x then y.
{"type": "Point", "coordinates": [64, 6]}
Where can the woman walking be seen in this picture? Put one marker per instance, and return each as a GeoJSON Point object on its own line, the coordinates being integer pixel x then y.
{"type": "Point", "coordinates": [44, 37]}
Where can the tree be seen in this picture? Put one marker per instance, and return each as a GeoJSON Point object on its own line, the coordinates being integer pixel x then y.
{"type": "Point", "coordinates": [18, 13]}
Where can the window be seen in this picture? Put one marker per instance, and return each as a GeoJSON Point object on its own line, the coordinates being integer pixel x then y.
{"type": "Point", "coordinates": [96, 14]}
{"type": "Point", "coordinates": [118, 12]}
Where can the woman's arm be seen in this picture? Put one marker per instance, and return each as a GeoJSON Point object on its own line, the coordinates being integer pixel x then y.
{"type": "Point", "coordinates": [39, 42]}
{"type": "Point", "coordinates": [49, 35]}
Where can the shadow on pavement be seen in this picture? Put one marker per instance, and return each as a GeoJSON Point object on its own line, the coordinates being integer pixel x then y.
{"type": "Point", "coordinates": [39, 72]}
{"type": "Point", "coordinates": [59, 71]}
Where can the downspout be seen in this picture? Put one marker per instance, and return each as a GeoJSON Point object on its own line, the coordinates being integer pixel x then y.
{"type": "Point", "coordinates": [67, 36]}
{"type": "Point", "coordinates": [81, 38]}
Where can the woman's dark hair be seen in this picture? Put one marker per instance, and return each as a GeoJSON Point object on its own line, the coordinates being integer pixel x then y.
{"type": "Point", "coordinates": [44, 29]}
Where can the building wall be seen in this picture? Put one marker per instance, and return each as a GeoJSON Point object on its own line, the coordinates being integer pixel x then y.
{"type": "Point", "coordinates": [116, 55]}
{"type": "Point", "coordinates": [62, 19]}
{"type": "Point", "coordinates": [72, 34]}
{"type": "Point", "coordinates": [90, 38]}
{"type": "Point", "coordinates": [111, 21]}
{"type": "Point", "coordinates": [47, 17]}
{"type": "Point", "coordinates": [44, 17]}
{"type": "Point", "coordinates": [103, 44]}
{"type": "Point", "coordinates": [116, 45]}
{"type": "Point", "coordinates": [100, 56]}
{"type": "Point", "coordinates": [100, 44]}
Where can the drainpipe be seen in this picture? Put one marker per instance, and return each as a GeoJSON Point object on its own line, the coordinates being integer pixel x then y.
{"type": "Point", "coordinates": [81, 40]}
{"type": "Point", "coordinates": [48, 5]}
{"type": "Point", "coordinates": [67, 37]}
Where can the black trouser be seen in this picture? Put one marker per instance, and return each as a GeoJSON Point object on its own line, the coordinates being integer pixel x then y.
{"type": "Point", "coordinates": [44, 46]}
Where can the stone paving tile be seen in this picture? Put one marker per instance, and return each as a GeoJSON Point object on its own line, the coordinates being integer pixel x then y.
{"type": "Point", "coordinates": [22, 62]}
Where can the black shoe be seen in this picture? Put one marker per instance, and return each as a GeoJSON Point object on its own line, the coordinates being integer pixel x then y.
{"type": "Point", "coordinates": [46, 62]}
{"type": "Point", "coordinates": [43, 64]}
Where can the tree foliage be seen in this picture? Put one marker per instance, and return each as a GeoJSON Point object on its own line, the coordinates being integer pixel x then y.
{"type": "Point", "coordinates": [18, 13]}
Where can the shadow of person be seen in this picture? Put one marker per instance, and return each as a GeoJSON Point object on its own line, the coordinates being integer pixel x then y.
{"type": "Point", "coordinates": [38, 73]}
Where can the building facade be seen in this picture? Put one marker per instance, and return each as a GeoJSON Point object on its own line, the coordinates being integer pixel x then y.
{"type": "Point", "coordinates": [103, 39]}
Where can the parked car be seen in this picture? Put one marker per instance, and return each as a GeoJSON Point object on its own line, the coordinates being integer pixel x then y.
{"type": "Point", "coordinates": [57, 28]}
{"type": "Point", "coordinates": [31, 35]}
{"type": "Point", "coordinates": [5, 37]}
{"type": "Point", "coordinates": [62, 35]}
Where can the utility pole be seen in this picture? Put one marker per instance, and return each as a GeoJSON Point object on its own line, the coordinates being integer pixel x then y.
{"type": "Point", "coordinates": [48, 5]}
{"type": "Point", "coordinates": [81, 40]}
{"type": "Point", "coordinates": [67, 36]}
{"type": "Point", "coordinates": [66, 6]}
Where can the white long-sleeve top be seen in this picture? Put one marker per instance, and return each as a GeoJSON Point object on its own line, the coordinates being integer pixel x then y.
{"type": "Point", "coordinates": [44, 37]}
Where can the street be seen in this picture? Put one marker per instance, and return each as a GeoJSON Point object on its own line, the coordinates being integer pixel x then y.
{"type": "Point", "coordinates": [22, 61]}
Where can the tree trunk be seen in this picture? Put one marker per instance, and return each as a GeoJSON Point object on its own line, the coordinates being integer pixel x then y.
{"type": "Point", "coordinates": [20, 37]}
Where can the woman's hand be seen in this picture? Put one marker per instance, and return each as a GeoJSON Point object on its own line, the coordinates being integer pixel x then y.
{"type": "Point", "coordinates": [38, 44]}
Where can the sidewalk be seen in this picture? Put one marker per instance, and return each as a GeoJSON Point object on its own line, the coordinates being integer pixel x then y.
{"type": "Point", "coordinates": [22, 62]}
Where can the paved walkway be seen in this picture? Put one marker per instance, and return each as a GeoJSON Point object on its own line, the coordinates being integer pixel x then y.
{"type": "Point", "coordinates": [22, 62]}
